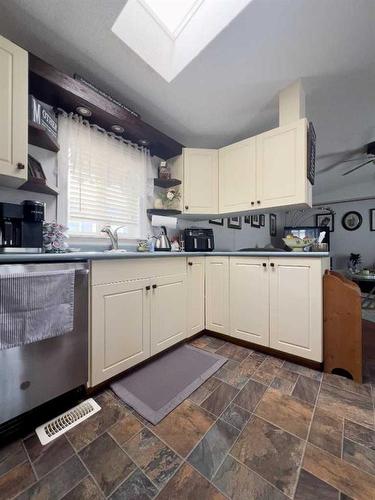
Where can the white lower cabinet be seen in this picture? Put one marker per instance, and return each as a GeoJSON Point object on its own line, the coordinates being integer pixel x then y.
{"type": "Point", "coordinates": [217, 294]}
{"type": "Point", "coordinates": [272, 302]}
{"type": "Point", "coordinates": [196, 295]}
{"type": "Point", "coordinates": [249, 304]}
{"type": "Point", "coordinates": [168, 312]}
{"type": "Point", "coordinates": [136, 318]}
{"type": "Point", "coordinates": [120, 327]}
{"type": "Point", "coordinates": [296, 306]}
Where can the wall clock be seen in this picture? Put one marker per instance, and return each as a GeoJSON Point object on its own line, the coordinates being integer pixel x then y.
{"type": "Point", "coordinates": [351, 221]}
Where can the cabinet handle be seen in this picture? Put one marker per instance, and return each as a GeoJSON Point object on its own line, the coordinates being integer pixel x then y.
{"type": "Point", "coordinates": [20, 166]}
{"type": "Point", "coordinates": [154, 286]}
{"type": "Point", "coordinates": [190, 263]}
{"type": "Point", "coordinates": [258, 201]}
{"type": "Point", "coordinates": [186, 207]}
{"type": "Point", "coordinates": [252, 203]}
{"type": "Point", "coordinates": [264, 264]}
{"type": "Point", "coordinates": [272, 264]}
{"type": "Point", "coordinates": [148, 287]}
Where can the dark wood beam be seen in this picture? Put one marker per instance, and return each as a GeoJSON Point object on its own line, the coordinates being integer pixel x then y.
{"type": "Point", "coordinates": [60, 90]}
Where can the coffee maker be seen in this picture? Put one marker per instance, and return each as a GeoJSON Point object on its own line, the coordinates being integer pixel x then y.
{"type": "Point", "coordinates": [21, 227]}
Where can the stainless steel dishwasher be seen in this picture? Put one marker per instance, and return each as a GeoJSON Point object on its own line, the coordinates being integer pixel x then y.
{"type": "Point", "coordinates": [36, 373]}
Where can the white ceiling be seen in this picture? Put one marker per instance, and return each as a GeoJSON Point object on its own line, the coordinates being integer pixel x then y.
{"type": "Point", "coordinates": [230, 90]}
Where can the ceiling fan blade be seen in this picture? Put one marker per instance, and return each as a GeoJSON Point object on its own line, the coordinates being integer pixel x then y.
{"type": "Point", "coordinates": [333, 165]}
{"type": "Point", "coordinates": [357, 167]}
{"type": "Point", "coordinates": [346, 153]}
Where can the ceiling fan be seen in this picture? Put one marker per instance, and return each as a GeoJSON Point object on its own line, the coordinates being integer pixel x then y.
{"type": "Point", "coordinates": [367, 156]}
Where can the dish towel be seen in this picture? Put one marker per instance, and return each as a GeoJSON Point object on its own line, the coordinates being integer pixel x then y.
{"type": "Point", "coordinates": [35, 306]}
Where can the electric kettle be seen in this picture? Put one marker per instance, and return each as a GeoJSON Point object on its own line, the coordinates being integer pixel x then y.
{"type": "Point", "coordinates": [162, 243]}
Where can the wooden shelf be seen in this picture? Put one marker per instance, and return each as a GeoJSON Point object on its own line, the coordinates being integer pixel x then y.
{"type": "Point", "coordinates": [39, 186]}
{"type": "Point", "coordinates": [60, 90]}
{"type": "Point", "coordinates": [162, 211]}
{"type": "Point", "coordinates": [38, 136]}
{"type": "Point", "coordinates": [166, 183]}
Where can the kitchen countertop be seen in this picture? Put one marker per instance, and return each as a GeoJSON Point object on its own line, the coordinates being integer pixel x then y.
{"type": "Point", "coordinates": [83, 256]}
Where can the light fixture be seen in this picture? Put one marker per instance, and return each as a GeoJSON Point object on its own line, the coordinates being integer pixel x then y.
{"type": "Point", "coordinates": [81, 110]}
{"type": "Point", "coordinates": [117, 129]}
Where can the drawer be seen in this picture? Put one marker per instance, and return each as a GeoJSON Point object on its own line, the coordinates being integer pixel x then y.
{"type": "Point", "coordinates": [112, 271]}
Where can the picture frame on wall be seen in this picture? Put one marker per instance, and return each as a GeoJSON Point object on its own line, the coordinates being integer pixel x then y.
{"type": "Point", "coordinates": [326, 221]}
{"type": "Point", "coordinates": [262, 220]}
{"type": "Point", "coordinates": [372, 219]}
{"type": "Point", "coordinates": [351, 221]}
{"type": "Point", "coordinates": [234, 222]}
{"type": "Point", "coordinates": [255, 221]}
{"type": "Point", "coordinates": [273, 226]}
{"type": "Point", "coordinates": [247, 219]}
{"type": "Point", "coordinates": [217, 222]}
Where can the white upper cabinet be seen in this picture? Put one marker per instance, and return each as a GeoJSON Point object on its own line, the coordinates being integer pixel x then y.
{"type": "Point", "coordinates": [14, 113]}
{"type": "Point", "coordinates": [200, 181]}
{"type": "Point", "coordinates": [282, 167]}
{"type": "Point", "coordinates": [237, 176]}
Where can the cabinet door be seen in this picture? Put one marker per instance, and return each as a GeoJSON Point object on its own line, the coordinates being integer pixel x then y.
{"type": "Point", "coordinates": [217, 294]}
{"type": "Point", "coordinates": [249, 299]}
{"type": "Point", "coordinates": [168, 311]}
{"type": "Point", "coordinates": [195, 308]}
{"type": "Point", "coordinates": [14, 113]}
{"type": "Point", "coordinates": [120, 326]}
{"type": "Point", "coordinates": [296, 306]}
{"type": "Point", "coordinates": [282, 167]}
{"type": "Point", "coordinates": [201, 181]}
{"type": "Point", "coordinates": [237, 176]}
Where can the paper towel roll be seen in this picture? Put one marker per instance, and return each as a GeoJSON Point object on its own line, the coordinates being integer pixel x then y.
{"type": "Point", "coordinates": [161, 220]}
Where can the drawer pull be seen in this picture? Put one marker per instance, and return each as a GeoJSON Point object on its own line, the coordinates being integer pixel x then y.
{"type": "Point", "coordinates": [154, 286]}
{"type": "Point", "coordinates": [20, 166]}
{"type": "Point", "coordinates": [148, 287]}
{"type": "Point", "coordinates": [190, 263]}
{"type": "Point", "coordinates": [272, 264]}
{"type": "Point", "coordinates": [264, 264]}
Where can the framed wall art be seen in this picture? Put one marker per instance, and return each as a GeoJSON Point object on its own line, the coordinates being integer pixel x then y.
{"type": "Point", "coordinates": [326, 221]}
{"type": "Point", "coordinates": [218, 222]}
{"type": "Point", "coordinates": [351, 221]}
{"type": "Point", "coordinates": [234, 222]}
{"type": "Point", "coordinates": [273, 227]}
{"type": "Point", "coordinates": [255, 221]}
{"type": "Point", "coordinates": [372, 219]}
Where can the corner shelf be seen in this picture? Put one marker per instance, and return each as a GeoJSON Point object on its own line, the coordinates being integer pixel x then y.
{"type": "Point", "coordinates": [163, 211]}
{"type": "Point", "coordinates": [38, 136]}
{"type": "Point", "coordinates": [39, 186]}
{"type": "Point", "coordinates": [166, 183]}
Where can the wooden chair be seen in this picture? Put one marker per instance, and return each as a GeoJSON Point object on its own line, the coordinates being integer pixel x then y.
{"type": "Point", "coordinates": [342, 326]}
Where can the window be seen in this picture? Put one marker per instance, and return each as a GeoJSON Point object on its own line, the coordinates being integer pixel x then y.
{"type": "Point", "coordinates": [169, 34]}
{"type": "Point", "coordinates": [106, 180]}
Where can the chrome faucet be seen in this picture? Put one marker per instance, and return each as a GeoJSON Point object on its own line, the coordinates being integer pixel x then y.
{"type": "Point", "coordinates": [113, 235]}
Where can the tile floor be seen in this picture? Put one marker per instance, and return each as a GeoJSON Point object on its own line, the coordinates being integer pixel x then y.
{"type": "Point", "coordinates": [260, 428]}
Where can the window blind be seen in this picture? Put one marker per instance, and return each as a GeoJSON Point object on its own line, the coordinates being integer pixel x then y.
{"type": "Point", "coordinates": [106, 180]}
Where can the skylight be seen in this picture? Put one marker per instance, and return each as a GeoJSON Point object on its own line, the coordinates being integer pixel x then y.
{"type": "Point", "coordinates": [172, 15]}
{"type": "Point", "coordinates": [169, 34]}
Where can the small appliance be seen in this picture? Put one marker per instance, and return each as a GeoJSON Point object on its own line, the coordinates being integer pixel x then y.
{"type": "Point", "coordinates": [162, 243]}
{"type": "Point", "coordinates": [199, 240]}
{"type": "Point", "coordinates": [21, 227]}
